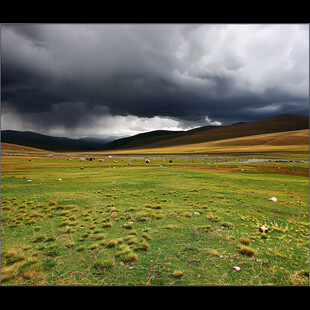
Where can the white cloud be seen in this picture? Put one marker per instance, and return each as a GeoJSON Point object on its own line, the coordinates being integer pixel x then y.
{"type": "Point", "coordinates": [214, 123]}
{"type": "Point", "coordinates": [127, 125]}
{"type": "Point", "coordinates": [254, 57]}
{"type": "Point", "coordinates": [101, 126]}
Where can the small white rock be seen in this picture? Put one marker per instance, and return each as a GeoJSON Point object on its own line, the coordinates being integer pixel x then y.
{"type": "Point", "coordinates": [273, 199]}
{"type": "Point", "coordinates": [263, 229]}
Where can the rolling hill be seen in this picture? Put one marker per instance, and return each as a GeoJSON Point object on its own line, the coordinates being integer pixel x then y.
{"type": "Point", "coordinates": [15, 148]}
{"type": "Point", "coordinates": [287, 141]}
{"type": "Point", "coordinates": [176, 141]}
{"type": "Point", "coordinates": [143, 139]}
{"type": "Point", "coordinates": [281, 123]}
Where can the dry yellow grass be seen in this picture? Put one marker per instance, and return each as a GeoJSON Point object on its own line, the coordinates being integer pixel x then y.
{"type": "Point", "coordinates": [14, 148]}
{"type": "Point", "coordinates": [297, 141]}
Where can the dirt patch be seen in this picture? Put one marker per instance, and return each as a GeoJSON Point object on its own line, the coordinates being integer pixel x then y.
{"type": "Point", "coordinates": [302, 172]}
{"type": "Point", "coordinates": [251, 169]}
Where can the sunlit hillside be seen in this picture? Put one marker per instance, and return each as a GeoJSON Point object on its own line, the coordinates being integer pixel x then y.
{"type": "Point", "coordinates": [291, 141]}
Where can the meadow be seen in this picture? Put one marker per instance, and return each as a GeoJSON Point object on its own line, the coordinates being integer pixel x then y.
{"type": "Point", "coordinates": [153, 225]}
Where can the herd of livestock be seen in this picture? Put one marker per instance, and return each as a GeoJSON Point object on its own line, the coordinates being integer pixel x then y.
{"type": "Point", "coordinates": [147, 161]}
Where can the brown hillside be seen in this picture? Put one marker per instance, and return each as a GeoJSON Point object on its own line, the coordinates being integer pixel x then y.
{"type": "Point", "coordinates": [289, 141]}
{"type": "Point", "coordinates": [14, 148]}
{"type": "Point", "coordinates": [285, 122]}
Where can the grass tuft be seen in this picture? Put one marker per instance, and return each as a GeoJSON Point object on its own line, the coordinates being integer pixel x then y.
{"type": "Point", "coordinates": [245, 241]}
{"type": "Point", "coordinates": [178, 274]}
{"type": "Point", "coordinates": [142, 246]}
{"type": "Point", "coordinates": [104, 264]}
{"type": "Point", "coordinates": [245, 250]}
{"type": "Point", "coordinates": [94, 246]}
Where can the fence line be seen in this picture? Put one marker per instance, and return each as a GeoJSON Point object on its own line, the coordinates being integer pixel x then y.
{"type": "Point", "coordinates": [168, 159]}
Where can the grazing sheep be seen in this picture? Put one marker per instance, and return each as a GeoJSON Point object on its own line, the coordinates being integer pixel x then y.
{"type": "Point", "coordinates": [82, 168]}
{"type": "Point", "coordinates": [81, 159]}
{"type": "Point", "coordinates": [101, 160]}
{"type": "Point", "coordinates": [147, 161]}
{"type": "Point", "coordinates": [170, 161]}
{"type": "Point", "coordinates": [115, 161]}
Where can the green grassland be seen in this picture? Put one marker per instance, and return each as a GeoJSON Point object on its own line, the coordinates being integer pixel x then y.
{"type": "Point", "coordinates": [151, 225]}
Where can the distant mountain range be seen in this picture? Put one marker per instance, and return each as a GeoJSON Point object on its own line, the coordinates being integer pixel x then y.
{"type": "Point", "coordinates": [57, 144]}
{"type": "Point", "coordinates": [159, 138]}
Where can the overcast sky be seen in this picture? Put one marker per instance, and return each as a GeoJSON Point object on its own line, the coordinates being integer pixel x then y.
{"type": "Point", "coordinates": [123, 79]}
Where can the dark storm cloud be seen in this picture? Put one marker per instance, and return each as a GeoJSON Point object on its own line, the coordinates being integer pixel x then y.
{"type": "Point", "coordinates": [71, 75]}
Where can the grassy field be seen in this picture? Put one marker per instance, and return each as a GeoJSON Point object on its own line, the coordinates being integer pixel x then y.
{"type": "Point", "coordinates": [148, 225]}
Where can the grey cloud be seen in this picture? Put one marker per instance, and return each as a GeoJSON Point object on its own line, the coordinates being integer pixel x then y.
{"type": "Point", "coordinates": [65, 75]}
